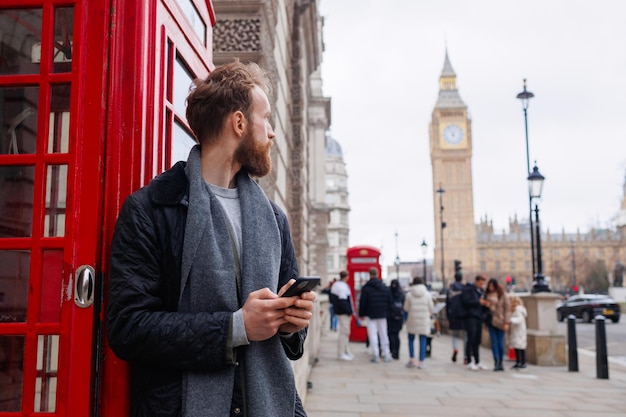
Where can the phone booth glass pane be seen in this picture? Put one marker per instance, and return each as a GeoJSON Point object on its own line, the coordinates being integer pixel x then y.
{"type": "Point", "coordinates": [16, 201]}
{"type": "Point", "coordinates": [63, 42]}
{"type": "Point", "coordinates": [360, 279]}
{"type": "Point", "coordinates": [13, 287]}
{"type": "Point", "coordinates": [11, 373]}
{"type": "Point", "coordinates": [21, 41]}
{"type": "Point", "coordinates": [18, 117]}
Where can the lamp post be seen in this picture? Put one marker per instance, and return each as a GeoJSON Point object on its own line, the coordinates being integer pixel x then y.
{"type": "Point", "coordinates": [397, 262]}
{"type": "Point", "coordinates": [535, 185]}
{"type": "Point", "coordinates": [525, 96]}
{"type": "Point", "coordinates": [424, 248]}
{"type": "Point", "coordinates": [573, 266]}
{"type": "Point", "coordinates": [440, 191]}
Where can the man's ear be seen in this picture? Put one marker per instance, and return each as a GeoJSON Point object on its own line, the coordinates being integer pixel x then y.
{"type": "Point", "coordinates": [238, 122]}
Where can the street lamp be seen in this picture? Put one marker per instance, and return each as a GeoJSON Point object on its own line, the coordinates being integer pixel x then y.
{"type": "Point", "coordinates": [525, 96]}
{"type": "Point", "coordinates": [424, 248]}
{"type": "Point", "coordinates": [535, 186]}
{"type": "Point", "coordinates": [440, 191]}
{"type": "Point", "coordinates": [573, 265]}
{"type": "Point", "coordinates": [397, 262]}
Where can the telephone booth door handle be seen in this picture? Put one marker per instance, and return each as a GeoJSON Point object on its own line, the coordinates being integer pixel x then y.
{"type": "Point", "coordinates": [84, 290]}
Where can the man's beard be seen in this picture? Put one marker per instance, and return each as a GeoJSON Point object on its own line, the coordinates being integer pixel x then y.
{"type": "Point", "coordinates": [253, 156]}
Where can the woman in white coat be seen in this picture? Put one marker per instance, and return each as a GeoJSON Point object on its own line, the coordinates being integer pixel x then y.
{"type": "Point", "coordinates": [517, 332]}
{"type": "Point", "coordinates": [419, 306]}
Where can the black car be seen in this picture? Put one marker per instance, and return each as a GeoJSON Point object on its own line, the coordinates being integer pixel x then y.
{"type": "Point", "coordinates": [587, 306]}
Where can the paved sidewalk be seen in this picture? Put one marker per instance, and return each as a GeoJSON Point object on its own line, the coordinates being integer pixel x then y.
{"type": "Point", "coordinates": [363, 389]}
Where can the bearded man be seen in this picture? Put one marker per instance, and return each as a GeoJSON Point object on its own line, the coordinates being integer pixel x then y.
{"type": "Point", "coordinates": [199, 260]}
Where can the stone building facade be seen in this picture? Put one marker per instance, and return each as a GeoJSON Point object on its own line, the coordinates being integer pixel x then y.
{"type": "Point", "coordinates": [339, 209]}
{"type": "Point", "coordinates": [285, 38]}
{"type": "Point", "coordinates": [568, 258]}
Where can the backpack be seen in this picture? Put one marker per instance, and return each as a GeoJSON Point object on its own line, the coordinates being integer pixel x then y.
{"type": "Point", "coordinates": [340, 306]}
{"type": "Point", "coordinates": [454, 306]}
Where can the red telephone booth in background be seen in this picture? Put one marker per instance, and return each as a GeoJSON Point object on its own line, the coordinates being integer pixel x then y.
{"type": "Point", "coordinates": [360, 260]}
{"type": "Point", "coordinates": [92, 97]}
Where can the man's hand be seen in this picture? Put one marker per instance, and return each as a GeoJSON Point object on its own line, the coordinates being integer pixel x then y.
{"type": "Point", "coordinates": [264, 313]}
{"type": "Point", "coordinates": [299, 314]}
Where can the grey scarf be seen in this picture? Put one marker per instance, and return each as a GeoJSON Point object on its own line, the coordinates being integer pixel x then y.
{"type": "Point", "coordinates": [208, 283]}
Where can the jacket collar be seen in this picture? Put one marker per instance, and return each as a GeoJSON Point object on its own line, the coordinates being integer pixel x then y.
{"type": "Point", "coordinates": [171, 187]}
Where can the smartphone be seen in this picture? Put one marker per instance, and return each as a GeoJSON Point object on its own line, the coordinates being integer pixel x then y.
{"type": "Point", "coordinates": [301, 285]}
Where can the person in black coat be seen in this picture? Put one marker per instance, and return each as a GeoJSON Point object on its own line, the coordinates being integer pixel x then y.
{"type": "Point", "coordinates": [474, 305]}
{"type": "Point", "coordinates": [199, 260]}
{"type": "Point", "coordinates": [455, 313]}
{"type": "Point", "coordinates": [395, 318]}
{"type": "Point", "coordinates": [375, 304]}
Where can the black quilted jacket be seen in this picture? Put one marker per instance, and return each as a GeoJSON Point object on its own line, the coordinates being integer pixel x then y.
{"type": "Point", "coordinates": [143, 327]}
{"type": "Point", "coordinates": [375, 300]}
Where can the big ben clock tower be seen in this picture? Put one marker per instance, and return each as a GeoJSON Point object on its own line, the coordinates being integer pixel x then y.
{"type": "Point", "coordinates": [451, 159]}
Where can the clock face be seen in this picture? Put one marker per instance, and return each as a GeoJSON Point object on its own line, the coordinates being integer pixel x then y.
{"type": "Point", "coordinates": [453, 134]}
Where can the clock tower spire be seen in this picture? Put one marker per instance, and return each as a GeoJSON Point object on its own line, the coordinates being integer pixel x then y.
{"type": "Point", "coordinates": [451, 159]}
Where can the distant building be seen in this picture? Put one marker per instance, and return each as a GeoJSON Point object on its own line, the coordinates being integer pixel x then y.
{"type": "Point", "coordinates": [568, 257]}
{"type": "Point", "coordinates": [338, 208]}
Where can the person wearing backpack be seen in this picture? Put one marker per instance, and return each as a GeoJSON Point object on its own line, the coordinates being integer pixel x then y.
{"type": "Point", "coordinates": [395, 318]}
{"type": "Point", "coordinates": [341, 300]}
{"type": "Point", "coordinates": [455, 312]}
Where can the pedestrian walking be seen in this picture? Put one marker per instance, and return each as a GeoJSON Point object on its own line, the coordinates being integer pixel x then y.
{"type": "Point", "coordinates": [333, 320]}
{"type": "Point", "coordinates": [395, 319]}
{"type": "Point", "coordinates": [375, 304]}
{"type": "Point", "coordinates": [341, 297]}
{"type": "Point", "coordinates": [517, 331]}
{"type": "Point", "coordinates": [419, 306]}
{"type": "Point", "coordinates": [475, 308]}
{"type": "Point", "coordinates": [456, 318]}
{"type": "Point", "coordinates": [498, 320]}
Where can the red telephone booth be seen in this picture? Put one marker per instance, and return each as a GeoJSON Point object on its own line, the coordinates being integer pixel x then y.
{"type": "Point", "coordinates": [360, 260]}
{"type": "Point", "coordinates": [91, 108]}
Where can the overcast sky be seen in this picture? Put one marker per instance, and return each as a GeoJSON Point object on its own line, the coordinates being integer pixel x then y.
{"type": "Point", "coordinates": [381, 68]}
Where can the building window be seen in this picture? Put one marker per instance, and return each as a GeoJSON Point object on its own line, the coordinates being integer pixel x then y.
{"type": "Point", "coordinates": [483, 265]}
{"type": "Point", "coordinates": [496, 253]}
{"type": "Point", "coordinates": [555, 252]}
{"type": "Point", "coordinates": [343, 262]}
{"type": "Point", "coordinates": [512, 253]}
{"type": "Point", "coordinates": [497, 265]}
{"type": "Point", "coordinates": [527, 265]}
{"type": "Point", "coordinates": [512, 266]}
{"type": "Point", "coordinates": [330, 262]}
{"type": "Point", "coordinates": [482, 254]}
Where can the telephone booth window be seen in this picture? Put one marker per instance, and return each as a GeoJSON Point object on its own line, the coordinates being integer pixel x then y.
{"type": "Point", "coordinates": [182, 82]}
{"type": "Point", "coordinates": [182, 140]}
{"type": "Point", "coordinates": [58, 133]}
{"type": "Point", "coordinates": [16, 200]}
{"type": "Point", "coordinates": [196, 22]}
{"type": "Point", "coordinates": [360, 279]}
{"type": "Point", "coordinates": [20, 34]}
{"type": "Point", "coordinates": [13, 287]}
{"type": "Point", "coordinates": [11, 372]}
{"type": "Point", "coordinates": [182, 143]}
{"type": "Point", "coordinates": [56, 196]}
{"type": "Point", "coordinates": [18, 120]}
{"type": "Point", "coordinates": [46, 370]}
{"type": "Point", "coordinates": [63, 43]}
